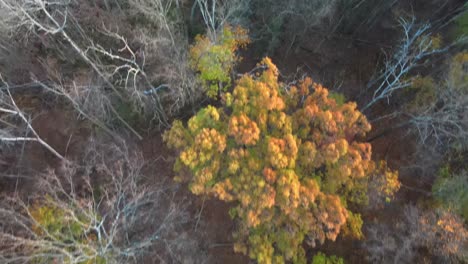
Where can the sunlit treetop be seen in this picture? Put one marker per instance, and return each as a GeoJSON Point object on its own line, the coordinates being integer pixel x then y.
{"type": "Point", "coordinates": [289, 157]}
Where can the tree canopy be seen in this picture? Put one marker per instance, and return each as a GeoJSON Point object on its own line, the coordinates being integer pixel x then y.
{"type": "Point", "coordinates": [290, 157]}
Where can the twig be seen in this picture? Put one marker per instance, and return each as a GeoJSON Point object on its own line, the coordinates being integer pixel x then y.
{"type": "Point", "coordinates": [200, 212]}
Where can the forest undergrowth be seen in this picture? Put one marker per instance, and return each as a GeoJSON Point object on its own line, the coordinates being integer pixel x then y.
{"type": "Point", "coordinates": [233, 131]}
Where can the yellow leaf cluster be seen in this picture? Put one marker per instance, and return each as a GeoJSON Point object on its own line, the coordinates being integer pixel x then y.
{"type": "Point", "coordinates": [177, 137]}
{"type": "Point", "coordinates": [263, 94]}
{"type": "Point", "coordinates": [244, 130]}
{"type": "Point", "coordinates": [385, 180]}
{"type": "Point", "coordinates": [282, 153]}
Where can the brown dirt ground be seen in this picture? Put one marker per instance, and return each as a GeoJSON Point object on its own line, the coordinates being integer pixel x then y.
{"type": "Point", "coordinates": [214, 227]}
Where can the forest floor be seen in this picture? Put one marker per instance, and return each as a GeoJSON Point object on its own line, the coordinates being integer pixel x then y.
{"type": "Point", "coordinates": [340, 63]}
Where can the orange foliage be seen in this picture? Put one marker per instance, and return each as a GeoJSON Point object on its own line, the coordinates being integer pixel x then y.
{"type": "Point", "coordinates": [289, 158]}
{"type": "Point", "coordinates": [244, 130]}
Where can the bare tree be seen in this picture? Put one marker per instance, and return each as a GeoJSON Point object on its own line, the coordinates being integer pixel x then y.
{"type": "Point", "coordinates": [288, 21]}
{"type": "Point", "coordinates": [166, 46]}
{"type": "Point", "coordinates": [121, 57]}
{"type": "Point", "coordinates": [440, 231]}
{"type": "Point", "coordinates": [51, 17]}
{"type": "Point", "coordinates": [416, 45]}
{"type": "Point", "coordinates": [127, 70]}
{"type": "Point", "coordinates": [158, 11]}
{"type": "Point", "coordinates": [446, 124]}
{"type": "Point", "coordinates": [216, 14]}
{"type": "Point", "coordinates": [98, 211]}
{"type": "Point", "coordinates": [444, 120]}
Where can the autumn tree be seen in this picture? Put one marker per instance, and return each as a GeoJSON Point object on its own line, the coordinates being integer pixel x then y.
{"type": "Point", "coordinates": [289, 157]}
{"type": "Point", "coordinates": [213, 57]}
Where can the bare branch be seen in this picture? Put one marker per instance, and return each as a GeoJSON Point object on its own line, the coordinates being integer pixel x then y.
{"type": "Point", "coordinates": [414, 48]}
{"type": "Point", "coordinates": [101, 212]}
{"type": "Point", "coordinates": [10, 107]}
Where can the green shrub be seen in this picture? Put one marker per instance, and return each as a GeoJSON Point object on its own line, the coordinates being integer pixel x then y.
{"type": "Point", "coordinates": [321, 258]}
{"type": "Point", "coordinates": [451, 190]}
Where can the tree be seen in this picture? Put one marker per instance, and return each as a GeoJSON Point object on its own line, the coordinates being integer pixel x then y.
{"type": "Point", "coordinates": [416, 45]}
{"type": "Point", "coordinates": [117, 45]}
{"type": "Point", "coordinates": [289, 157]}
{"type": "Point", "coordinates": [287, 22]}
{"type": "Point", "coordinates": [450, 189]}
{"type": "Point", "coordinates": [96, 212]}
{"type": "Point", "coordinates": [382, 185]}
{"type": "Point", "coordinates": [438, 113]}
{"type": "Point", "coordinates": [218, 14]}
{"type": "Point", "coordinates": [49, 17]}
{"type": "Point", "coordinates": [438, 230]}
{"type": "Point", "coordinates": [214, 57]}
